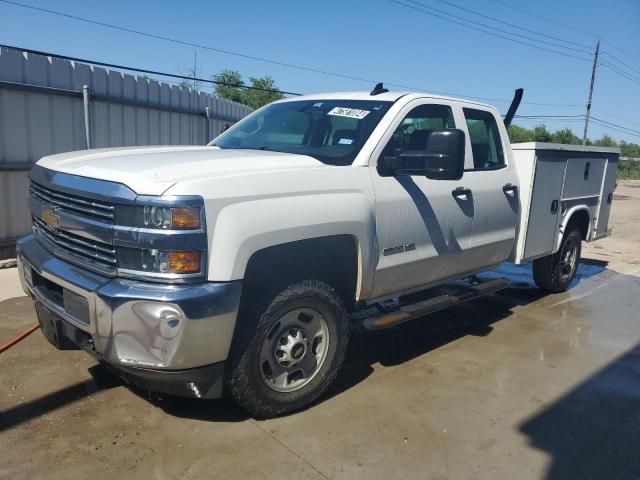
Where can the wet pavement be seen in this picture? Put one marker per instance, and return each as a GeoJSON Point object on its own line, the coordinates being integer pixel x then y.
{"type": "Point", "coordinates": [515, 385]}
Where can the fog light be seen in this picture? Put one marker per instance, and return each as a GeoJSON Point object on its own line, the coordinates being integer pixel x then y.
{"type": "Point", "coordinates": [159, 261]}
{"type": "Point", "coordinates": [184, 262]}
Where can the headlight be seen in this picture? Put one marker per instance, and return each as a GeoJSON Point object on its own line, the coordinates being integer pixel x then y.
{"type": "Point", "coordinates": [174, 218]}
{"type": "Point", "coordinates": [161, 239]}
{"type": "Point", "coordinates": [159, 261]}
{"type": "Point", "coordinates": [160, 217]}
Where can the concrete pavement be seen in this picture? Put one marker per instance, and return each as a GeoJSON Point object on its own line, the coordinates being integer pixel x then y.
{"type": "Point", "coordinates": [516, 385]}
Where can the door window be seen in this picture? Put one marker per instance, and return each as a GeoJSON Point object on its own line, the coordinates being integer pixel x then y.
{"type": "Point", "coordinates": [486, 143]}
{"type": "Point", "coordinates": [413, 131]}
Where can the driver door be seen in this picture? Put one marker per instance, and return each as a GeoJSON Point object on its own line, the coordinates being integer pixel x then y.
{"type": "Point", "coordinates": [423, 226]}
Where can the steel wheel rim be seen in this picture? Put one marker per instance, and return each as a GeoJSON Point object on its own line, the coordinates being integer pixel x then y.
{"type": "Point", "coordinates": [294, 349]}
{"type": "Point", "coordinates": [568, 257]}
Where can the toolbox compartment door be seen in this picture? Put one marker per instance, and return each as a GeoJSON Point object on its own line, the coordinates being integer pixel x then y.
{"type": "Point", "coordinates": [544, 209]}
{"type": "Point", "coordinates": [583, 177]}
{"type": "Point", "coordinates": [606, 197]}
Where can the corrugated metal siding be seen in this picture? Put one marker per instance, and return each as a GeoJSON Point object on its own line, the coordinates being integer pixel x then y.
{"type": "Point", "coordinates": [35, 124]}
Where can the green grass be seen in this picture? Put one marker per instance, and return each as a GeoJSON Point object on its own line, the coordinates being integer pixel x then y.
{"type": "Point", "coordinates": [629, 170]}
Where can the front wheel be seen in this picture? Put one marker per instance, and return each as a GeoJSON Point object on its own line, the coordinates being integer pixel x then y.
{"type": "Point", "coordinates": [293, 353]}
{"type": "Point", "coordinates": [554, 273]}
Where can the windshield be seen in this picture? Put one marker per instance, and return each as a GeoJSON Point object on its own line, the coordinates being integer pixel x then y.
{"type": "Point", "coordinates": [332, 131]}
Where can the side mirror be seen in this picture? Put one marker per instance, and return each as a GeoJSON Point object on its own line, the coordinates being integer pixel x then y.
{"type": "Point", "coordinates": [443, 158]}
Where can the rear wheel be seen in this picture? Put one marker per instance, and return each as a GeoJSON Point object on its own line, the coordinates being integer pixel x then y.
{"type": "Point", "coordinates": [293, 353]}
{"type": "Point", "coordinates": [554, 273]}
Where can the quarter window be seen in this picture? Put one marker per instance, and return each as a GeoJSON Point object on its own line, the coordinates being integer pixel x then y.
{"type": "Point", "coordinates": [486, 143]}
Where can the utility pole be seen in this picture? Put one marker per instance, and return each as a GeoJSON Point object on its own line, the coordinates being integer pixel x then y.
{"type": "Point", "coordinates": [593, 77]}
{"type": "Point", "coordinates": [195, 69]}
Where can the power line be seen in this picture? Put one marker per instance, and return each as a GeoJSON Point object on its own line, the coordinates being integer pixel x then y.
{"type": "Point", "coordinates": [618, 130]}
{"type": "Point", "coordinates": [488, 32]}
{"type": "Point", "coordinates": [578, 118]}
{"type": "Point", "coordinates": [635, 59]}
{"type": "Point", "coordinates": [494, 19]}
{"type": "Point", "coordinates": [616, 116]}
{"type": "Point", "coordinates": [616, 125]}
{"type": "Point", "coordinates": [505, 4]}
{"type": "Point", "coordinates": [251, 57]}
{"type": "Point", "coordinates": [605, 126]}
{"type": "Point", "coordinates": [613, 57]}
{"type": "Point", "coordinates": [143, 70]}
{"type": "Point", "coordinates": [619, 71]}
{"type": "Point", "coordinates": [549, 116]}
{"type": "Point", "coordinates": [547, 19]}
{"type": "Point", "coordinates": [522, 10]}
{"type": "Point", "coordinates": [183, 42]}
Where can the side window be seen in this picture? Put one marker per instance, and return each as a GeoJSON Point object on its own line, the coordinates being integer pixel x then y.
{"type": "Point", "coordinates": [486, 143]}
{"type": "Point", "coordinates": [414, 129]}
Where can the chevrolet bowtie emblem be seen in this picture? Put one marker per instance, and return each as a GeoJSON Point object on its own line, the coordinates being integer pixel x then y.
{"type": "Point", "coordinates": [50, 218]}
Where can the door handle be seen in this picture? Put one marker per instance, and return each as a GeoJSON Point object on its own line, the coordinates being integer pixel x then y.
{"type": "Point", "coordinates": [461, 192]}
{"type": "Point", "coordinates": [554, 206]}
{"type": "Point", "coordinates": [510, 187]}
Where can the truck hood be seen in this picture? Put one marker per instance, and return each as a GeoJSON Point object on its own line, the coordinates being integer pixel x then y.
{"type": "Point", "coordinates": [152, 170]}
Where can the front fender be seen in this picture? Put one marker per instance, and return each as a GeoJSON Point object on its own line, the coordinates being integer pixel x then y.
{"type": "Point", "coordinates": [246, 227]}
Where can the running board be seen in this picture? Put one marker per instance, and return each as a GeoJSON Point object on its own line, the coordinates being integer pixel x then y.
{"type": "Point", "coordinates": [453, 294]}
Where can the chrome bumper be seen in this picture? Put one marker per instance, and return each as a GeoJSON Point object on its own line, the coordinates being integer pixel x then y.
{"type": "Point", "coordinates": [134, 324]}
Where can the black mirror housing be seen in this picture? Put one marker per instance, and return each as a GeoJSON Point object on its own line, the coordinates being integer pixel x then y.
{"type": "Point", "coordinates": [443, 158]}
{"type": "Point", "coordinates": [445, 154]}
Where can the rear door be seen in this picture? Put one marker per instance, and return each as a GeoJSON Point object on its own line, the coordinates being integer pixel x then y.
{"type": "Point", "coordinates": [494, 184]}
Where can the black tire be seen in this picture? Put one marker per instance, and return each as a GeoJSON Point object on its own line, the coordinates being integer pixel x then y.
{"type": "Point", "coordinates": [551, 272]}
{"type": "Point", "coordinates": [245, 377]}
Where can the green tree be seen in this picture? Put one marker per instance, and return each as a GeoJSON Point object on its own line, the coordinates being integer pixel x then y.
{"type": "Point", "coordinates": [565, 135]}
{"type": "Point", "coordinates": [265, 89]}
{"type": "Point", "coordinates": [541, 134]}
{"type": "Point", "coordinates": [606, 141]}
{"type": "Point", "coordinates": [518, 134]}
{"type": "Point", "coordinates": [629, 149]}
{"type": "Point", "coordinates": [258, 98]}
{"type": "Point", "coordinates": [232, 90]}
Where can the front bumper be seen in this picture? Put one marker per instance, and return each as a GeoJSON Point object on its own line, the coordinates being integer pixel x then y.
{"type": "Point", "coordinates": [150, 332]}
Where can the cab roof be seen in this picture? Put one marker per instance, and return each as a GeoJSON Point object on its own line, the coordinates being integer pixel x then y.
{"type": "Point", "coordinates": [385, 97]}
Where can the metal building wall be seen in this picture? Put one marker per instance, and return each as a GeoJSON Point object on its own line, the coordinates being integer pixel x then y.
{"type": "Point", "coordinates": [42, 112]}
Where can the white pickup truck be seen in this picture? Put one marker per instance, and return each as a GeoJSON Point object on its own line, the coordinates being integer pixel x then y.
{"type": "Point", "coordinates": [238, 266]}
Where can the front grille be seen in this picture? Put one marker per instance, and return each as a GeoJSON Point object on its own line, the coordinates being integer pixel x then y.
{"type": "Point", "coordinates": [76, 204]}
{"type": "Point", "coordinates": [79, 248]}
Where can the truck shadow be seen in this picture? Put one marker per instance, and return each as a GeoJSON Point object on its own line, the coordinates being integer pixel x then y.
{"type": "Point", "coordinates": [399, 344]}
{"type": "Point", "coordinates": [592, 431]}
{"type": "Point", "coordinates": [396, 345]}
{"type": "Point", "coordinates": [414, 338]}
{"type": "Point", "coordinates": [388, 347]}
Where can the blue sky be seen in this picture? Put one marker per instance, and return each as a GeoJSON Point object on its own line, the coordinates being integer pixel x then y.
{"type": "Point", "coordinates": [372, 39]}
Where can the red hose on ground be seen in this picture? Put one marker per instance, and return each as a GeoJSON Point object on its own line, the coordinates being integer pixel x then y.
{"type": "Point", "coordinates": [19, 338]}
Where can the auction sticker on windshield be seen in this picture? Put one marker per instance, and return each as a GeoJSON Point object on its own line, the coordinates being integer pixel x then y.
{"type": "Point", "coordinates": [348, 112]}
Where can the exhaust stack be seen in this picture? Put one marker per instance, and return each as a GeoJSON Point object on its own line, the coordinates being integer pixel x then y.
{"type": "Point", "coordinates": [515, 103]}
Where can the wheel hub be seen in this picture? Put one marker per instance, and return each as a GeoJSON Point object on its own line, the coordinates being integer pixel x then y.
{"type": "Point", "coordinates": [294, 349]}
{"type": "Point", "coordinates": [291, 348]}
